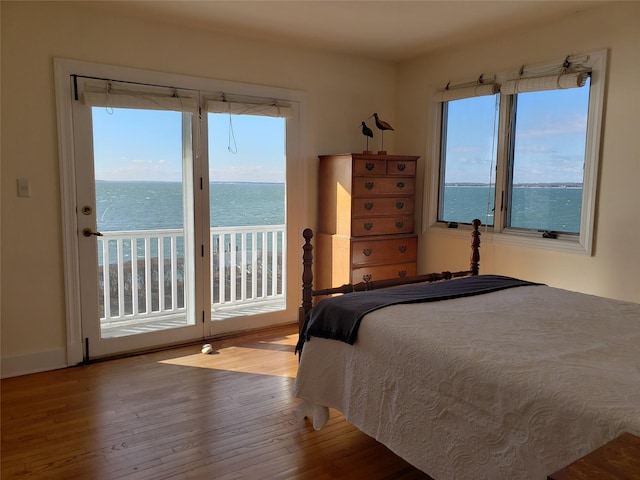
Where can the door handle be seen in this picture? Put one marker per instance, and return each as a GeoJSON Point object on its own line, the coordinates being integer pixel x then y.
{"type": "Point", "coordinates": [87, 232]}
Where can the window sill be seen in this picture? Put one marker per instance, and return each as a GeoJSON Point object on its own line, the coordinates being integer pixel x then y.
{"type": "Point", "coordinates": [513, 238]}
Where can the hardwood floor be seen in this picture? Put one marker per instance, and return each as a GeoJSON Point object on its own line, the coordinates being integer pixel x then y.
{"type": "Point", "coordinates": [180, 414]}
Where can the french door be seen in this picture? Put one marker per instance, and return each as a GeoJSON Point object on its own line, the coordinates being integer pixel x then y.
{"type": "Point", "coordinates": [172, 240]}
{"type": "Point", "coordinates": [137, 234]}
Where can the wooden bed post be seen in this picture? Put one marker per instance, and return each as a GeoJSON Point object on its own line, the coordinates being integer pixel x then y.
{"type": "Point", "coordinates": [307, 277]}
{"type": "Point", "coordinates": [475, 247]}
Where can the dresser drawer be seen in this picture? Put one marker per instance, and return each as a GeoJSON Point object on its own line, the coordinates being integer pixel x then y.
{"type": "Point", "coordinates": [369, 167]}
{"type": "Point", "coordinates": [401, 167]}
{"type": "Point", "coordinates": [368, 206]}
{"type": "Point", "coordinates": [368, 186]}
{"type": "Point", "coordinates": [382, 225]}
{"type": "Point", "coordinates": [381, 252]}
{"type": "Point", "coordinates": [383, 272]}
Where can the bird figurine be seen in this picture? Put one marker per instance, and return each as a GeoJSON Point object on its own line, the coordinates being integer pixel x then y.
{"type": "Point", "coordinates": [367, 132]}
{"type": "Point", "coordinates": [382, 126]}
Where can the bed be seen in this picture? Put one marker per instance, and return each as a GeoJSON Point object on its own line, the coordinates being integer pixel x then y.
{"type": "Point", "coordinates": [510, 384]}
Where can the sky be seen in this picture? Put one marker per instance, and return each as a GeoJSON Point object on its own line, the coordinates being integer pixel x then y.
{"type": "Point", "coordinates": [550, 137]}
{"type": "Point", "coordinates": [147, 145]}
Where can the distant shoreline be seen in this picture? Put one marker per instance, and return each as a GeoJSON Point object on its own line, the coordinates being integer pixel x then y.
{"type": "Point", "coordinates": [520, 185]}
{"type": "Point", "coordinates": [455, 184]}
{"type": "Point", "coordinates": [176, 182]}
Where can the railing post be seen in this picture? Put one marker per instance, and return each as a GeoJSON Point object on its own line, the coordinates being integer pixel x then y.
{"type": "Point", "coordinates": [254, 265]}
{"type": "Point", "coordinates": [243, 266]}
{"type": "Point", "coordinates": [147, 274]}
{"type": "Point", "coordinates": [161, 295]}
{"type": "Point", "coordinates": [120, 257]}
{"type": "Point", "coordinates": [106, 275]}
{"type": "Point", "coordinates": [174, 272]}
{"type": "Point", "coordinates": [135, 308]}
{"type": "Point", "coordinates": [265, 262]}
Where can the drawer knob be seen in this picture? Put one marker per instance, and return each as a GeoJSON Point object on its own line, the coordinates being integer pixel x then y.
{"type": "Point", "coordinates": [402, 273]}
{"type": "Point", "coordinates": [399, 224]}
{"type": "Point", "coordinates": [368, 205]}
{"type": "Point", "coordinates": [366, 252]}
{"type": "Point", "coordinates": [368, 185]}
{"type": "Point", "coordinates": [402, 249]}
{"type": "Point", "coordinates": [401, 167]}
{"type": "Point", "coordinates": [370, 165]}
{"type": "Point", "coordinates": [368, 226]}
{"type": "Point", "coordinates": [400, 185]}
{"type": "Point", "coordinates": [366, 278]}
{"type": "Point", "coordinates": [399, 205]}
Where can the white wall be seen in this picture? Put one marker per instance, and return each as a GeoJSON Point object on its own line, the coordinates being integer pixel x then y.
{"type": "Point", "coordinates": [341, 92]}
{"type": "Point", "coordinates": [613, 269]}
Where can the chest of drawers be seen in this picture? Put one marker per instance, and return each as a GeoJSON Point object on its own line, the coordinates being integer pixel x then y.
{"type": "Point", "coordinates": [366, 218]}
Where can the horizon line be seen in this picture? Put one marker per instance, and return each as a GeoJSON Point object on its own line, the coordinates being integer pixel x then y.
{"type": "Point", "coordinates": [521, 184]}
{"type": "Point", "coordinates": [177, 181]}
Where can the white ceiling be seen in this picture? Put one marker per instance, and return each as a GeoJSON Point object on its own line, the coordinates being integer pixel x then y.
{"type": "Point", "coordinates": [390, 30]}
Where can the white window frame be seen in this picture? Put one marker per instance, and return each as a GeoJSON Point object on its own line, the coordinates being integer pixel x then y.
{"type": "Point", "coordinates": [499, 233]}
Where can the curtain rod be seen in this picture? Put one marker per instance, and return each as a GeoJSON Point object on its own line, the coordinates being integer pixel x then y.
{"type": "Point", "coordinates": [75, 76]}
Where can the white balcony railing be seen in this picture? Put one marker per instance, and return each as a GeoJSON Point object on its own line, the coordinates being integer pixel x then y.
{"type": "Point", "coordinates": [145, 275]}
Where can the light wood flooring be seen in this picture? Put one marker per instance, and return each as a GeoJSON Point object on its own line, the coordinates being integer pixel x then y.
{"type": "Point", "coordinates": [180, 414]}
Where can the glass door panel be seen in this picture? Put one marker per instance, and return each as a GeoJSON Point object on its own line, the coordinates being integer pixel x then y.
{"type": "Point", "coordinates": [247, 215]}
{"type": "Point", "coordinates": [143, 268]}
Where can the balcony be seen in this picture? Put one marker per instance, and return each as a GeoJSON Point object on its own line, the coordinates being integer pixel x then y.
{"type": "Point", "coordinates": [144, 287]}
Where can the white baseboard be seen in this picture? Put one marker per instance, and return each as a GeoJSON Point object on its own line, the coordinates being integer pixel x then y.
{"type": "Point", "coordinates": [33, 363]}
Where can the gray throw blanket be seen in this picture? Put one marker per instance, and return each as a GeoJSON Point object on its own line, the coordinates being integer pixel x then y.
{"type": "Point", "coordinates": [339, 317]}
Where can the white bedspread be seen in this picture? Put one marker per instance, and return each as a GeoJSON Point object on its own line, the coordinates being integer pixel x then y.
{"type": "Point", "coordinates": [508, 385]}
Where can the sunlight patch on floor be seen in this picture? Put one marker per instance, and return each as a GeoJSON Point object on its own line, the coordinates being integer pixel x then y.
{"type": "Point", "coordinates": [275, 358]}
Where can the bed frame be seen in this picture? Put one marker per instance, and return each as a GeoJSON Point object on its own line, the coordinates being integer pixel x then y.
{"type": "Point", "coordinates": [307, 274]}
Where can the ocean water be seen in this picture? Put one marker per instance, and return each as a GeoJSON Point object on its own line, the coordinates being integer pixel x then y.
{"type": "Point", "coordinates": [540, 207]}
{"type": "Point", "coordinates": [125, 206]}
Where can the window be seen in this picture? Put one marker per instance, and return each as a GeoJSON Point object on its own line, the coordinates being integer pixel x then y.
{"type": "Point", "coordinates": [547, 157]}
{"type": "Point", "coordinates": [468, 162]}
{"type": "Point", "coordinates": [524, 160]}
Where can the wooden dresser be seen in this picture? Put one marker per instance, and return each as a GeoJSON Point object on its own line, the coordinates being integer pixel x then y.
{"type": "Point", "coordinates": [366, 218]}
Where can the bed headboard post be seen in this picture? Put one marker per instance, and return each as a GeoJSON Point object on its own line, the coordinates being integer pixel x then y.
{"type": "Point", "coordinates": [307, 276]}
{"type": "Point", "coordinates": [475, 247]}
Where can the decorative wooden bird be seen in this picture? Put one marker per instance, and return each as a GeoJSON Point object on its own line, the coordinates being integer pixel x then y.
{"type": "Point", "coordinates": [367, 132]}
{"type": "Point", "coordinates": [382, 126]}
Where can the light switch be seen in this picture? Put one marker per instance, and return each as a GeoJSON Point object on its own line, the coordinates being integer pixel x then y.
{"type": "Point", "coordinates": [24, 187]}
